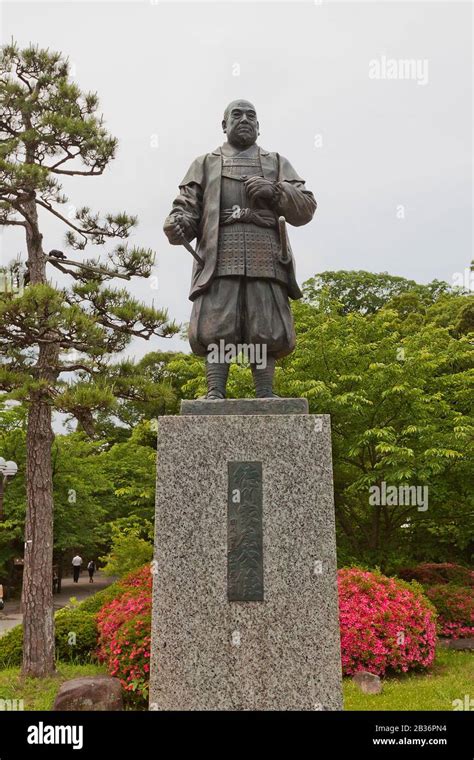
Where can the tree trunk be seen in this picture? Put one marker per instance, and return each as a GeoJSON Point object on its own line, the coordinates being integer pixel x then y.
{"type": "Point", "coordinates": [375, 543]}
{"type": "Point", "coordinates": [37, 591]}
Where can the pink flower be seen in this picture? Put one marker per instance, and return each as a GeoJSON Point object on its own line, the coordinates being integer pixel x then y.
{"type": "Point", "coordinates": [385, 625]}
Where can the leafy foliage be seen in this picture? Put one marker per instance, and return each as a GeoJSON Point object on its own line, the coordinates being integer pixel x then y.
{"type": "Point", "coordinates": [76, 634]}
{"type": "Point", "coordinates": [95, 483]}
{"type": "Point", "coordinates": [131, 546]}
{"type": "Point", "coordinates": [432, 574]}
{"type": "Point", "coordinates": [397, 386]}
{"type": "Point", "coordinates": [11, 647]}
{"type": "Point", "coordinates": [96, 601]}
{"type": "Point", "coordinates": [367, 292]}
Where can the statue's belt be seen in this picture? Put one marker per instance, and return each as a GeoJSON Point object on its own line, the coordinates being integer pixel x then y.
{"type": "Point", "coordinates": [261, 217]}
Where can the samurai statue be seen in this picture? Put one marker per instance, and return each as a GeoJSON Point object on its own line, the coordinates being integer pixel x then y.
{"type": "Point", "coordinates": [236, 201]}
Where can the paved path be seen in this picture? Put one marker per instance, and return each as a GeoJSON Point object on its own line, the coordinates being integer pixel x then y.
{"type": "Point", "coordinates": [11, 616]}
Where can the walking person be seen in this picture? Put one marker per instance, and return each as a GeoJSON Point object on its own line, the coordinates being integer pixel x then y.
{"type": "Point", "coordinates": [76, 567]}
{"type": "Point", "coordinates": [91, 569]}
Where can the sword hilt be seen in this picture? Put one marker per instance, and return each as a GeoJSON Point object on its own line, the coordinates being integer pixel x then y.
{"type": "Point", "coordinates": [189, 247]}
{"type": "Point", "coordinates": [285, 257]}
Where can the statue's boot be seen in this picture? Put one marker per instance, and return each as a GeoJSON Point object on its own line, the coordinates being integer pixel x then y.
{"type": "Point", "coordinates": [216, 376]}
{"type": "Point", "coordinates": [263, 379]}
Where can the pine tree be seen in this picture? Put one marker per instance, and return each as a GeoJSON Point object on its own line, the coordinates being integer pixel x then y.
{"type": "Point", "coordinates": [50, 334]}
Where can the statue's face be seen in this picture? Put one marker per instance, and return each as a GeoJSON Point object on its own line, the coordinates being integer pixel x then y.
{"type": "Point", "coordinates": [240, 124]}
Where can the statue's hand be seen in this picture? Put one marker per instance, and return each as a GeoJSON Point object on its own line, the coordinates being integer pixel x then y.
{"type": "Point", "coordinates": [176, 229]}
{"type": "Point", "coordinates": [260, 189]}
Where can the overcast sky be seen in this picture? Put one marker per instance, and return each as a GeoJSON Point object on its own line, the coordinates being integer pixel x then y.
{"type": "Point", "coordinates": [389, 160]}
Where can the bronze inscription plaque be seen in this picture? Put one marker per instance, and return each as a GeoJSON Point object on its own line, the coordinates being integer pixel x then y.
{"type": "Point", "coordinates": [244, 532]}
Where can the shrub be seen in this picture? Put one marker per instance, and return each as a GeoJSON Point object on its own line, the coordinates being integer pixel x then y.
{"type": "Point", "coordinates": [81, 621]}
{"type": "Point", "coordinates": [11, 647]}
{"type": "Point", "coordinates": [96, 601]}
{"type": "Point", "coordinates": [124, 640]}
{"type": "Point", "coordinates": [433, 573]}
{"type": "Point", "coordinates": [141, 579]}
{"type": "Point", "coordinates": [80, 648]}
{"type": "Point", "coordinates": [386, 624]}
{"type": "Point", "coordinates": [76, 634]}
{"type": "Point", "coordinates": [455, 607]}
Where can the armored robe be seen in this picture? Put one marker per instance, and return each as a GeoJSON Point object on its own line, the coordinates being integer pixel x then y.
{"type": "Point", "coordinates": [240, 291]}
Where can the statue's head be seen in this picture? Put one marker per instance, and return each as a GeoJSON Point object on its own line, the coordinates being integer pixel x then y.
{"type": "Point", "coordinates": [240, 123]}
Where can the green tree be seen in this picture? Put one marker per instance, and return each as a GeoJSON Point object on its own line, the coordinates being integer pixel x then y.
{"type": "Point", "coordinates": [132, 545]}
{"type": "Point", "coordinates": [395, 374]}
{"type": "Point", "coordinates": [50, 129]}
{"type": "Point", "coordinates": [146, 388]}
{"type": "Point", "coordinates": [80, 488]}
{"type": "Point", "coordinates": [12, 446]}
{"type": "Point", "coordinates": [129, 466]}
{"type": "Point", "coordinates": [95, 483]}
{"type": "Point", "coordinates": [398, 386]}
{"type": "Point", "coordinates": [367, 292]}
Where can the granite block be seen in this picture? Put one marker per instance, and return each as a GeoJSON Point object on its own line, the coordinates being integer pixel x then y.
{"type": "Point", "coordinates": [279, 653]}
{"type": "Point", "coordinates": [245, 406]}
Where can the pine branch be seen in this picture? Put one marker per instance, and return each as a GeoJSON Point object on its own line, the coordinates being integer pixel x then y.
{"type": "Point", "coordinates": [53, 211]}
{"type": "Point", "coordinates": [77, 172]}
{"type": "Point", "coordinates": [73, 368]}
{"type": "Point", "coordinates": [98, 270]}
{"type": "Point", "coordinates": [68, 157]}
{"type": "Point", "coordinates": [11, 223]}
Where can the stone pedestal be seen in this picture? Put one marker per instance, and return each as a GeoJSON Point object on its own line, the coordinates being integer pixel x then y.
{"type": "Point", "coordinates": [245, 612]}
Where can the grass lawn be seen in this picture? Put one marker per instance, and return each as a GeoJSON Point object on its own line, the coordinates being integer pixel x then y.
{"type": "Point", "coordinates": [39, 693]}
{"type": "Point", "coordinates": [451, 677]}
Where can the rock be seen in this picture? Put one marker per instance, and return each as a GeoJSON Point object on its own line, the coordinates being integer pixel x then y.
{"type": "Point", "coordinates": [367, 682]}
{"type": "Point", "coordinates": [90, 693]}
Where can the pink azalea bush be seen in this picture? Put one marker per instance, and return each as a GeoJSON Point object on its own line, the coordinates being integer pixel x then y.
{"type": "Point", "coordinates": [141, 578]}
{"type": "Point", "coordinates": [455, 606]}
{"type": "Point", "coordinates": [124, 627]}
{"type": "Point", "coordinates": [386, 624]}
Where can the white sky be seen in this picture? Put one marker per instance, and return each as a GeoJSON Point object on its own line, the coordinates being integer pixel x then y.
{"type": "Point", "coordinates": [168, 70]}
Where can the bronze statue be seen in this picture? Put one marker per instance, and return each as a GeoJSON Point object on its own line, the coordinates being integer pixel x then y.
{"type": "Point", "coordinates": [235, 201]}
